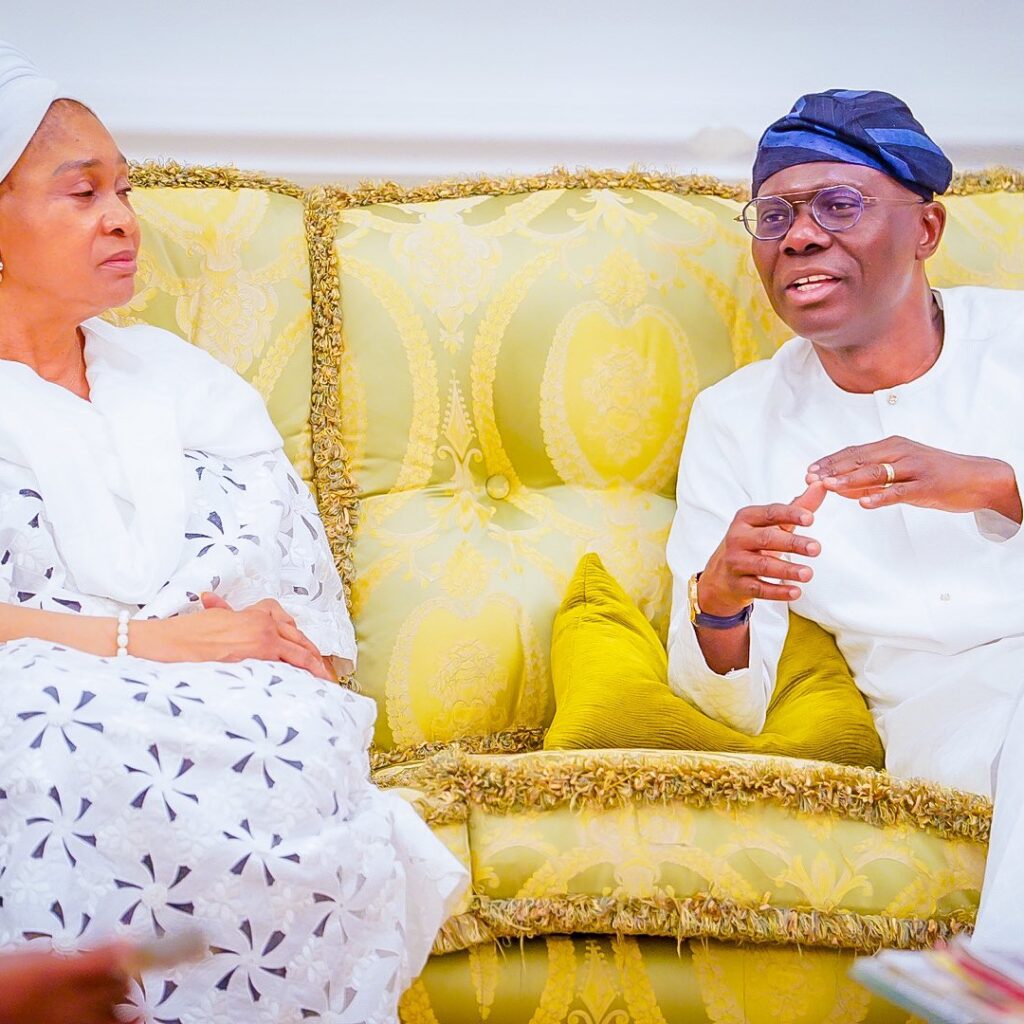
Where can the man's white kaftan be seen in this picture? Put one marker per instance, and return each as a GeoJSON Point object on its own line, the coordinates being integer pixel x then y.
{"type": "Point", "coordinates": [926, 606]}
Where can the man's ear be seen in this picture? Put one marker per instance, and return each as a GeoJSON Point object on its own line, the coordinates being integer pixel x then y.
{"type": "Point", "coordinates": [932, 224]}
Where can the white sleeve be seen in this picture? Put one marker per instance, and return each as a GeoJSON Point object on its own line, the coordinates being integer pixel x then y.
{"type": "Point", "coordinates": [997, 528]}
{"type": "Point", "coordinates": [709, 493]}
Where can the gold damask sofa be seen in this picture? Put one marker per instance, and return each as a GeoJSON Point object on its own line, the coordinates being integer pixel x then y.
{"type": "Point", "coordinates": [482, 381]}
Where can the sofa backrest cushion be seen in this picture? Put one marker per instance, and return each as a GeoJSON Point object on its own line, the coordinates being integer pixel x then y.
{"type": "Point", "coordinates": [515, 378]}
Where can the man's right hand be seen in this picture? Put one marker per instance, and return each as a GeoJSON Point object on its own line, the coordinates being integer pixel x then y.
{"type": "Point", "coordinates": [752, 548]}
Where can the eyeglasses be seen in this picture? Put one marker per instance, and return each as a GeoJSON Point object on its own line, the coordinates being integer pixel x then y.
{"type": "Point", "coordinates": [837, 208]}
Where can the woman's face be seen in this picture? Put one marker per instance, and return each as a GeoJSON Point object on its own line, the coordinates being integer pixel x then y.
{"type": "Point", "coordinates": [68, 235]}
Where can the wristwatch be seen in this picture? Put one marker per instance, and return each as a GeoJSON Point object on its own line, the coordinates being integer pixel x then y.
{"type": "Point", "coordinates": [706, 621]}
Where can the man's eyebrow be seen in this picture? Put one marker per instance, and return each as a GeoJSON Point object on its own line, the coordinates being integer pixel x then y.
{"type": "Point", "coordinates": [85, 165]}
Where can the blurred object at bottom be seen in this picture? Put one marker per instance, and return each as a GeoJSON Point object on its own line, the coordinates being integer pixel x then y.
{"type": "Point", "coordinates": [951, 984]}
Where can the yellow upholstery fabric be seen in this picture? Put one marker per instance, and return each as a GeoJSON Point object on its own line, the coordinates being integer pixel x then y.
{"type": "Point", "coordinates": [700, 845]}
{"type": "Point", "coordinates": [227, 269]}
{"type": "Point", "coordinates": [610, 677]}
{"type": "Point", "coordinates": [983, 242]}
{"type": "Point", "coordinates": [592, 980]}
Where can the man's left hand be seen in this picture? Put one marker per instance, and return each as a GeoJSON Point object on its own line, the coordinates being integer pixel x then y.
{"type": "Point", "coordinates": [919, 475]}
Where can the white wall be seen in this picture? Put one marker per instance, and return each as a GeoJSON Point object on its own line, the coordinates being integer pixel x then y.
{"type": "Point", "coordinates": [416, 89]}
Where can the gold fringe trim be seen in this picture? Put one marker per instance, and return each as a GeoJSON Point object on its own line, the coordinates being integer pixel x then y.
{"type": "Point", "coordinates": [170, 174]}
{"type": "Point", "coordinates": [698, 917]}
{"type": "Point", "coordinates": [337, 494]}
{"type": "Point", "coordinates": [615, 779]}
{"type": "Point", "coordinates": [512, 741]}
{"type": "Point", "coordinates": [991, 179]}
{"type": "Point", "coordinates": [370, 193]}
{"type": "Point", "coordinates": [436, 809]}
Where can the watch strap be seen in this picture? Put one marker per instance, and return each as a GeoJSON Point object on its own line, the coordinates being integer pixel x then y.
{"type": "Point", "coordinates": [706, 621]}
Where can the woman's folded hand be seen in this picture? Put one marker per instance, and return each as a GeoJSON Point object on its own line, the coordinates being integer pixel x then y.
{"type": "Point", "coordinates": [264, 631]}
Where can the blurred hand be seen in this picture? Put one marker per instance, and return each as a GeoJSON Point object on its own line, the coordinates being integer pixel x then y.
{"type": "Point", "coordinates": [39, 987]}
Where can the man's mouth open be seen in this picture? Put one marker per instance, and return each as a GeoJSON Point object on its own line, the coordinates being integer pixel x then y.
{"type": "Point", "coordinates": [813, 286]}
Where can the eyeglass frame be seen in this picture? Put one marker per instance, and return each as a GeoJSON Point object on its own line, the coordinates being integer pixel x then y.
{"type": "Point", "coordinates": [865, 200]}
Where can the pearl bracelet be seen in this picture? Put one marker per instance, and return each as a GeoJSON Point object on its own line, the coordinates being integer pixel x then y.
{"type": "Point", "coordinates": [122, 634]}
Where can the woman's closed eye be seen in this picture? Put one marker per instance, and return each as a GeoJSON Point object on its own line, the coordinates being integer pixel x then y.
{"type": "Point", "coordinates": [89, 193]}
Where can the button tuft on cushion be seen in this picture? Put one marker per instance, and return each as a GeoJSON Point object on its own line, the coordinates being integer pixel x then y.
{"type": "Point", "coordinates": [498, 487]}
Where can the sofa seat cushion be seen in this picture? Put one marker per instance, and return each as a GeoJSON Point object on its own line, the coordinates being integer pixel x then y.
{"type": "Point", "coordinates": [626, 980]}
{"type": "Point", "coordinates": [736, 847]}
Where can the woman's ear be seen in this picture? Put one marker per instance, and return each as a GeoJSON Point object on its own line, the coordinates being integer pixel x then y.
{"type": "Point", "coordinates": [933, 223]}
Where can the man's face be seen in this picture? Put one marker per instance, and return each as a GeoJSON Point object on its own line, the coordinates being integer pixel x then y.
{"type": "Point", "coordinates": [868, 269]}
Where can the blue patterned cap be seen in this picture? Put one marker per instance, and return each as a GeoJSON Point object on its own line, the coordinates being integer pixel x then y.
{"type": "Point", "coordinates": [874, 129]}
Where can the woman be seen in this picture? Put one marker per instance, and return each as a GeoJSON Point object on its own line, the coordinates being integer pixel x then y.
{"type": "Point", "coordinates": [173, 751]}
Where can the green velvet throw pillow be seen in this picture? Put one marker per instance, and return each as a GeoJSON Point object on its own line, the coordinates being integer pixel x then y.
{"type": "Point", "coordinates": [610, 676]}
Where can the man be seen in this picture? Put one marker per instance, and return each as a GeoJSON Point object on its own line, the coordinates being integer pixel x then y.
{"type": "Point", "coordinates": [897, 418]}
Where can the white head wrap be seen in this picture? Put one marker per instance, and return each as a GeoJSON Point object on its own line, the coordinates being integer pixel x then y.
{"type": "Point", "coordinates": [25, 96]}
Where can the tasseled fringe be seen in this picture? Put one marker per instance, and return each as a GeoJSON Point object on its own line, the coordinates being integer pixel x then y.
{"type": "Point", "coordinates": [170, 174]}
{"type": "Point", "coordinates": [512, 741]}
{"type": "Point", "coordinates": [698, 917]}
{"type": "Point", "coordinates": [369, 193]}
{"type": "Point", "coordinates": [991, 179]}
{"type": "Point", "coordinates": [337, 494]}
{"type": "Point", "coordinates": [502, 785]}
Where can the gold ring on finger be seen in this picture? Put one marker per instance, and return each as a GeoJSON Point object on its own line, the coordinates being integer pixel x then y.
{"type": "Point", "coordinates": [890, 474]}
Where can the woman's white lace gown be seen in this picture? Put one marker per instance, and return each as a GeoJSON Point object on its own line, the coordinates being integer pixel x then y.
{"type": "Point", "coordinates": [141, 799]}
